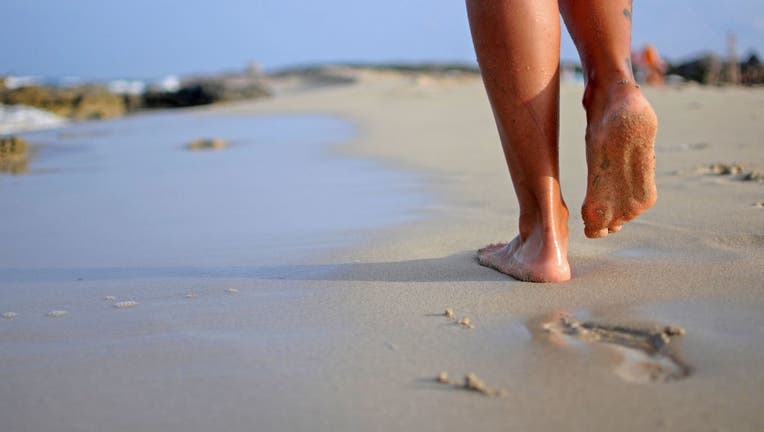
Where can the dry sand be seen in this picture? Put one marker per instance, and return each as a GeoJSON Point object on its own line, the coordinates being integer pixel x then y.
{"type": "Point", "coordinates": [360, 347]}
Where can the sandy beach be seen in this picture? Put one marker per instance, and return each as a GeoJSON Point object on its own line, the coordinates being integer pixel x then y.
{"type": "Point", "coordinates": [661, 327]}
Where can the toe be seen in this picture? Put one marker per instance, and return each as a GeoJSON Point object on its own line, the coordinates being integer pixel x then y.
{"type": "Point", "coordinates": [596, 220]}
{"type": "Point", "coordinates": [595, 232]}
{"type": "Point", "coordinates": [491, 248]}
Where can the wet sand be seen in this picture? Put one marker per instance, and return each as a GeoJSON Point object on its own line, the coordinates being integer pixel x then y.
{"type": "Point", "coordinates": [355, 339]}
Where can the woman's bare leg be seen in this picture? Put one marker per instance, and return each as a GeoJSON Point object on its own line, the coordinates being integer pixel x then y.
{"type": "Point", "coordinates": [621, 124]}
{"type": "Point", "coordinates": [518, 47]}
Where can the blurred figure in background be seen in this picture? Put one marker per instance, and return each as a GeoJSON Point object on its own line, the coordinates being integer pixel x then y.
{"type": "Point", "coordinates": [654, 68]}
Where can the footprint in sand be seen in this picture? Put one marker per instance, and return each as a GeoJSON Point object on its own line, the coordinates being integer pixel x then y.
{"type": "Point", "coordinates": [737, 242]}
{"type": "Point", "coordinates": [647, 354]}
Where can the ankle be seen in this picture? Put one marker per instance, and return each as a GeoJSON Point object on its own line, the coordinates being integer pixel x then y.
{"type": "Point", "coordinates": [550, 224]}
{"type": "Point", "coordinates": [599, 92]}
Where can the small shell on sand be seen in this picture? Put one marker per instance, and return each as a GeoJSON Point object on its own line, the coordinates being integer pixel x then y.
{"type": "Point", "coordinates": [10, 315]}
{"type": "Point", "coordinates": [125, 304]}
{"type": "Point", "coordinates": [110, 298]}
{"type": "Point", "coordinates": [57, 313]}
{"type": "Point", "coordinates": [449, 313]}
{"type": "Point", "coordinates": [465, 322]}
{"type": "Point", "coordinates": [232, 290]}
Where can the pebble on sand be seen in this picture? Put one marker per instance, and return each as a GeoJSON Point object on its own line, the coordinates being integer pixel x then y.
{"type": "Point", "coordinates": [232, 290]}
{"type": "Point", "coordinates": [673, 331]}
{"type": "Point", "coordinates": [449, 313]}
{"type": "Point", "coordinates": [442, 378]}
{"type": "Point", "coordinates": [471, 383]}
{"type": "Point", "coordinates": [724, 169]}
{"type": "Point", "coordinates": [110, 298]}
{"type": "Point", "coordinates": [125, 304]}
{"type": "Point", "coordinates": [10, 315]}
{"type": "Point", "coordinates": [208, 144]}
{"type": "Point", "coordinates": [465, 322]}
{"type": "Point", "coordinates": [57, 313]}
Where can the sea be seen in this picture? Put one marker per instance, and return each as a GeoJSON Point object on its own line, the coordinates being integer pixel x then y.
{"type": "Point", "coordinates": [126, 196]}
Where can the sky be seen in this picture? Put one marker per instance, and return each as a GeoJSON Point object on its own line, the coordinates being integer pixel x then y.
{"type": "Point", "coordinates": [149, 39]}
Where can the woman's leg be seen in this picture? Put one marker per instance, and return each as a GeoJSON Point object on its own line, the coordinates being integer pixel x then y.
{"type": "Point", "coordinates": [621, 124]}
{"type": "Point", "coordinates": [518, 48]}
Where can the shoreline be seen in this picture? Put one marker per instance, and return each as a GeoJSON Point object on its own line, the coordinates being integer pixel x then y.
{"type": "Point", "coordinates": [359, 347]}
{"type": "Point", "coordinates": [666, 268]}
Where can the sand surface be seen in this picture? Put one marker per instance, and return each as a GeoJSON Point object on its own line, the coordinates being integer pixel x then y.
{"type": "Point", "coordinates": [354, 340]}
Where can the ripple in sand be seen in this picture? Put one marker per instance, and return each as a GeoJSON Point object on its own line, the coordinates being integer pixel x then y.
{"type": "Point", "coordinates": [125, 304]}
{"type": "Point", "coordinates": [10, 315]}
{"type": "Point", "coordinates": [57, 313]}
{"type": "Point", "coordinates": [683, 147]}
{"type": "Point", "coordinates": [647, 353]}
{"type": "Point", "coordinates": [738, 241]}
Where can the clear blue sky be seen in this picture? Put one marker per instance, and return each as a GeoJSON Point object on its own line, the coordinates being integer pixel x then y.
{"type": "Point", "coordinates": [153, 38]}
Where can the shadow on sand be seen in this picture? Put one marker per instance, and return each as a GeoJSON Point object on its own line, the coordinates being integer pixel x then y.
{"type": "Point", "coordinates": [461, 267]}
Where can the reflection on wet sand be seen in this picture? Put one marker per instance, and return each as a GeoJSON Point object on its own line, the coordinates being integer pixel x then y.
{"type": "Point", "coordinates": [645, 354]}
{"type": "Point", "coordinates": [14, 155]}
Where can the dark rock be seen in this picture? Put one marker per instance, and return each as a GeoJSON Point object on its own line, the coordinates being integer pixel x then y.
{"type": "Point", "coordinates": [202, 93]}
{"type": "Point", "coordinates": [205, 91]}
{"type": "Point", "coordinates": [84, 102]}
{"type": "Point", "coordinates": [710, 69]}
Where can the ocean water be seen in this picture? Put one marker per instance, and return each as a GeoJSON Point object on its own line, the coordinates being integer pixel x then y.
{"type": "Point", "coordinates": [128, 194]}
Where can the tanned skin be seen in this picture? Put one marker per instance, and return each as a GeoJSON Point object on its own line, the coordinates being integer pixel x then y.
{"type": "Point", "coordinates": [517, 43]}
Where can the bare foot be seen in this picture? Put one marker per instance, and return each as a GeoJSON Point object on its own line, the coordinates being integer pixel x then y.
{"type": "Point", "coordinates": [541, 257]}
{"type": "Point", "coordinates": [620, 155]}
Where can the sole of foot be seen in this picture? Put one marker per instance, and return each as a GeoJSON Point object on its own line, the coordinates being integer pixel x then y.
{"type": "Point", "coordinates": [620, 154]}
